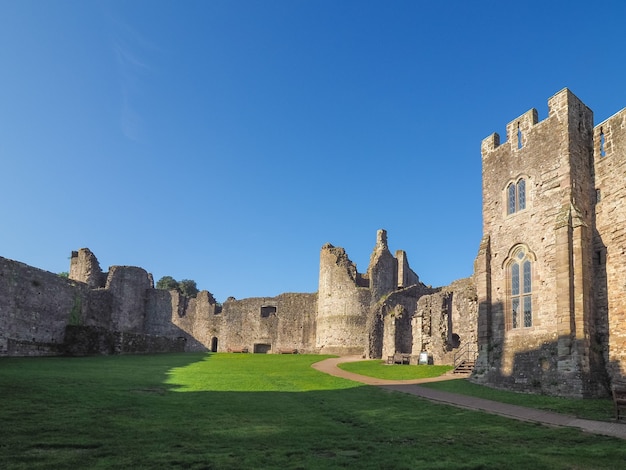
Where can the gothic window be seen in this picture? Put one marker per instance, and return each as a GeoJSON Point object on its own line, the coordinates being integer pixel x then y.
{"type": "Point", "coordinates": [520, 289]}
{"type": "Point", "coordinates": [511, 198]}
{"type": "Point", "coordinates": [516, 196]}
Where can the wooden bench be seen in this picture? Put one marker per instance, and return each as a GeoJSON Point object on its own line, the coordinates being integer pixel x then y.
{"type": "Point", "coordinates": [399, 358]}
{"type": "Point", "coordinates": [619, 399]}
{"type": "Point", "coordinates": [238, 350]}
{"type": "Point", "coordinates": [288, 351]}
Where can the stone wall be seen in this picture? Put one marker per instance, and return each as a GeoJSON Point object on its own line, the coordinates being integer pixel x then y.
{"type": "Point", "coordinates": [35, 307]}
{"type": "Point", "coordinates": [555, 353]}
{"type": "Point", "coordinates": [89, 340]}
{"type": "Point", "coordinates": [264, 324]}
{"type": "Point", "coordinates": [609, 245]}
{"type": "Point", "coordinates": [343, 305]}
{"type": "Point", "coordinates": [445, 324]}
{"type": "Point", "coordinates": [42, 313]}
{"type": "Point", "coordinates": [84, 267]}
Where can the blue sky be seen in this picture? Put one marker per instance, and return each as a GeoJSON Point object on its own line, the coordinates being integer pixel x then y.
{"type": "Point", "coordinates": [227, 141]}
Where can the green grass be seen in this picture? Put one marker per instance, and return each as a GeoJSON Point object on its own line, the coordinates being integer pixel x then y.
{"type": "Point", "coordinates": [597, 408]}
{"type": "Point", "coordinates": [382, 370]}
{"type": "Point", "coordinates": [227, 411]}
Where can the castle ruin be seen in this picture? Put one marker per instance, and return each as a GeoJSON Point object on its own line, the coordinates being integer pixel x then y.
{"type": "Point", "coordinates": [372, 314]}
{"type": "Point", "coordinates": [545, 308]}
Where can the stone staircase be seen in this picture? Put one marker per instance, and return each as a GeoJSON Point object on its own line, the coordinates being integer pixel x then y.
{"type": "Point", "coordinates": [465, 359]}
{"type": "Point", "coordinates": [464, 367]}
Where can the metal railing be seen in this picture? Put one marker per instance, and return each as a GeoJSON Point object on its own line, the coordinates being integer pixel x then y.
{"type": "Point", "coordinates": [468, 352]}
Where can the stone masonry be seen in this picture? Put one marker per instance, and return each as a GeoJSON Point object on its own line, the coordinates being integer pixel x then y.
{"type": "Point", "coordinates": [371, 314]}
{"type": "Point", "coordinates": [550, 268]}
{"type": "Point", "coordinates": [545, 309]}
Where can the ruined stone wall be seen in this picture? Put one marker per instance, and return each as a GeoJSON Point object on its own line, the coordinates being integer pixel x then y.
{"type": "Point", "coordinates": [84, 267]}
{"type": "Point", "coordinates": [128, 286]}
{"type": "Point", "coordinates": [383, 268]}
{"type": "Point", "coordinates": [406, 276]}
{"type": "Point", "coordinates": [610, 242]}
{"type": "Point", "coordinates": [42, 313]}
{"type": "Point", "coordinates": [265, 324]}
{"type": "Point", "coordinates": [553, 230]}
{"type": "Point", "coordinates": [445, 323]}
{"type": "Point", "coordinates": [89, 340]}
{"type": "Point", "coordinates": [35, 308]}
{"type": "Point", "coordinates": [342, 306]}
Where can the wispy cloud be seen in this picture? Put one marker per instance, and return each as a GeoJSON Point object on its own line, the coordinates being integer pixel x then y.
{"type": "Point", "coordinates": [130, 49]}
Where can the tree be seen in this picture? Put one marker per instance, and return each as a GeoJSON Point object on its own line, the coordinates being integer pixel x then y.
{"type": "Point", "coordinates": [188, 288]}
{"type": "Point", "coordinates": [167, 283]}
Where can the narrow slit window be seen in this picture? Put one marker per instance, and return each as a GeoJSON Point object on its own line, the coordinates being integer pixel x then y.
{"type": "Point", "coordinates": [519, 137]}
{"type": "Point", "coordinates": [602, 142]}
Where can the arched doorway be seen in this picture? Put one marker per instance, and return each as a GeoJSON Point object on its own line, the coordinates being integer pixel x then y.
{"type": "Point", "coordinates": [214, 344]}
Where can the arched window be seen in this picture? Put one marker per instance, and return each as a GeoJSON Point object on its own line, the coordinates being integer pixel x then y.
{"type": "Point", "coordinates": [520, 289]}
{"type": "Point", "coordinates": [516, 196]}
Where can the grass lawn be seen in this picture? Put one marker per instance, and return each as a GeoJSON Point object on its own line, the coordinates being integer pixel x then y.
{"type": "Point", "coordinates": [598, 409]}
{"type": "Point", "coordinates": [228, 411]}
{"type": "Point", "coordinates": [382, 370]}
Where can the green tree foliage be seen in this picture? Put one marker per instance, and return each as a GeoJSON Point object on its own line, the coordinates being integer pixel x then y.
{"type": "Point", "coordinates": [167, 283]}
{"type": "Point", "coordinates": [186, 287]}
{"type": "Point", "coordinates": [64, 274]}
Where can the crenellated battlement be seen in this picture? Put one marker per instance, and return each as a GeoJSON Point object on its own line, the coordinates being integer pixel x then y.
{"type": "Point", "coordinates": [564, 109]}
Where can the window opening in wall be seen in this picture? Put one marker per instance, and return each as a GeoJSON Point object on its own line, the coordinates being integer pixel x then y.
{"type": "Point", "coordinates": [602, 149]}
{"type": "Point", "coordinates": [519, 137]}
{"type": "Point", "coordinates": [520, 274]}
{"type": "Point", "coordinates": [262, 348]}
{"type": "Point", "coordinates": [267, 310]}
{"type": "Point", "coordinates": [521, 195]}
{"type": "Point", "coordinates": [516, 196]}
{"type": "Point", "coordinates": [599, 258]}
{"type": "Point", "coordinates": [511, 199]}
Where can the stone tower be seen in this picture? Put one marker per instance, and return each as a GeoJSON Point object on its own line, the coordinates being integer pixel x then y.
{"type": "Point", "coordinates": [534, 272]}
{"type": "Point", "coordinates": [342, 305]}
{"type": "Point", "coordinates": [84, 267]}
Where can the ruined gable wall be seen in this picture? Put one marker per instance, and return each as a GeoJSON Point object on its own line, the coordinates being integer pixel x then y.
{"type": "Point", "coordinates": [396, 312]}
{"type": "Point", "coordinates": [446, 322]}
{"type": "Point", "coordinates": [610, 241]}
{"type": "Point", "coordinates": [406, 276]}
{"type": "Point", "coordinates": [35, 307]}
{"type": "Point", "coordinates": [383, 268]}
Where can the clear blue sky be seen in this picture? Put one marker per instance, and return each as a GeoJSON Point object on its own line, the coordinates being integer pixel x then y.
{"type": "Point", "coordinates": [227, 141]}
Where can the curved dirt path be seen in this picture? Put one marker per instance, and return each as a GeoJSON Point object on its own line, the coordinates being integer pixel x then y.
{"type": "Point", "coordinates": [607, 428]}
{"type": "Point", "coordinates": [330, 366]}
